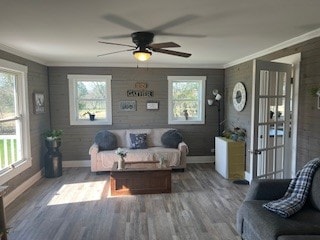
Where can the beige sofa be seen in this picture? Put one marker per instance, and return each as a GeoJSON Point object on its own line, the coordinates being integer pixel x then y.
{"type": "Point", "coordinates": [103, 160]}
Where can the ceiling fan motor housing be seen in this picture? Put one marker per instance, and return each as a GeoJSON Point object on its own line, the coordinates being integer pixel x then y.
{"type": "Point", "coordinates": [142, 39]}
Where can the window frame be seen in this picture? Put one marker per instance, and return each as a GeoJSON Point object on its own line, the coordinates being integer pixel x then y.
{"type": "Point", "coordinates": [73, 79]}
{"type": "Point", "coordinates": [21, 73]}
{"type": "Point", "coordinates": [202, 81]}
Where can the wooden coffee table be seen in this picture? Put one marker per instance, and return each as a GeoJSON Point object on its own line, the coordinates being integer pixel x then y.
{"type": "Point", "coordinates": [140, 178]}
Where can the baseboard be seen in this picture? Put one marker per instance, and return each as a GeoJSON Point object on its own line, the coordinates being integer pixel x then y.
{"type": "Point", "coordinates": [200, 159]}
{"type": "Point", "coordinates": [76, 163]}
{"type": "Point", "coordinates": [10, 197]}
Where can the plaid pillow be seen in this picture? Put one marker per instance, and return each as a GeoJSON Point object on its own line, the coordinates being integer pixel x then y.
{"type": "Point", "coordinates": [297, 192]}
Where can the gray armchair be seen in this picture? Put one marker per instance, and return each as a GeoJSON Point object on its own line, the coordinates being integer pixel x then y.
{"type": "Point", "coordinates": [255, 222]}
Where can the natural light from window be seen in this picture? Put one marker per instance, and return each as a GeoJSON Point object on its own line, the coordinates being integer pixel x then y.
{"type": "Point", "coordinates": [90, 99]}
{"type": "Point", "coordinates": [79, 192]}
{"type": "Point", "coordinates": [14, 120]}
{"type": "Point", "coordinates": [186, 99]}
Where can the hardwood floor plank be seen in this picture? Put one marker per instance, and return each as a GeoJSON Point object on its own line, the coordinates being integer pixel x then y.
{"type": "Point", "coordinates": [78, 205]}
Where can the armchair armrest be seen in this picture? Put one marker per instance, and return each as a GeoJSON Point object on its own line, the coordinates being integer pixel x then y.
{"type": "Point", "coordinates": [94, 149]}
{"type": "Point", "coordinates": [267, 189]}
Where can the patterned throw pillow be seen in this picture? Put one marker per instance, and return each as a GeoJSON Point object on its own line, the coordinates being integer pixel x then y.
{"type": "Point", "coordinates": [138, 141]}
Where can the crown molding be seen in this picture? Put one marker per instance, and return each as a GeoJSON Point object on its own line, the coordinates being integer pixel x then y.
{"type": "Point", "coordinates": [21, 54]}
{"type": "Point", "coordinates": [285, 44]}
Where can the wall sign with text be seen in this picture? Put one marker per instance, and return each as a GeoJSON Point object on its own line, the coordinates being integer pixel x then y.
{"type": "Point", "coordinates": [140, 93]}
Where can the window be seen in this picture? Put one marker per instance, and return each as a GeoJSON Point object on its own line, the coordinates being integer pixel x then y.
{"type": "Point", "coordinates": [186, 99]}
{"type": "Point", "coordinates": [15, 154]}
{"type": "Point", "coordinates": [90, 94]}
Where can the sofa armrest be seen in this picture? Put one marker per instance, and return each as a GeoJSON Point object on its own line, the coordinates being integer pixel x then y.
{"type": "Point", "coordinates": [183, 147]}
{"type": "Point", "coordinates": [94, 149]}
{"type": "Point", "coordinates": [267, 189]}
{"type": "Point", "coordinates": [184, 150]}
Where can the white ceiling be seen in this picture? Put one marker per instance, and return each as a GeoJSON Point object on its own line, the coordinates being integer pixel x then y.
{"type": "Point", "coordinates": [66, 32]}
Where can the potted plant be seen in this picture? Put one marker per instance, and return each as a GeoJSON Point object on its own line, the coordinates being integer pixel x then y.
{"type": "Point", "coordinates": [122, 153]}
{"type": "Point", "coordinates": [91, 115]}
{"type": "Point", "coordinates": [237, 134]}
{"type": "Point", "coordinates": [53, 157]}
{"type": "Point", "coordinates": [53, 138]}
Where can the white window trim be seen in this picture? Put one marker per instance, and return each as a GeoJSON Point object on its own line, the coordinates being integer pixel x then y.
{"type": "Point", "coordinates": [72, 99]}
{"type": "Point", "coordinates": [202, 80]}
{"type": "Point", "coordinates": [22, 74]}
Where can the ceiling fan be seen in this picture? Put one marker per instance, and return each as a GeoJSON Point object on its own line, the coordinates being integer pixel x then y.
{"type": "Point", "coordinates": [144, 46]}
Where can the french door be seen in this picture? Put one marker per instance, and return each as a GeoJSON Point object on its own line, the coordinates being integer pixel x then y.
{"type": "Point", "coordinates": [270, 144]}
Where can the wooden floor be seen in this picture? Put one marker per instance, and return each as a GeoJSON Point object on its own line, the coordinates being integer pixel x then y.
{"type": "Point", "coordinates": [78, 205]}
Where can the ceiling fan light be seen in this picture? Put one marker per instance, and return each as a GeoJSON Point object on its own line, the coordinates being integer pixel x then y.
{"type": "Point", "coordinates": [142, 55]}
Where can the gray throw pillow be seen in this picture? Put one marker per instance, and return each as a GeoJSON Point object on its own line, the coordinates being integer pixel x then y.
{"type": "Point", "coordinates": [105, 140]}
{"type": "Point", "coordinates": [171, 138]}
{"type": "Point", "coordinates": [314, 196]}
{"type": "Point", "coordinates": [138, 141]}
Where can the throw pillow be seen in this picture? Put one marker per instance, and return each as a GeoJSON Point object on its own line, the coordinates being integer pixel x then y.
{"type": "Point", "coordinates": [105, 140]}
{"type": "Point", "coordinates": [171, 138]}
{"type": "Point", "coordinates": [138, 141]}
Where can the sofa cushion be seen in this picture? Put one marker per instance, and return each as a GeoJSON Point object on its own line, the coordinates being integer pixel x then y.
{"type": "Point", "coordinates": [314, 191]}
{"type": "Point", "coordinates": [270, 225]}
{"type": "Point", "coordinates": [171, 138]}
{"type": "Point", "coordinates": [105, 140]}
{"type": "Point", "coordinates": [138, 141]}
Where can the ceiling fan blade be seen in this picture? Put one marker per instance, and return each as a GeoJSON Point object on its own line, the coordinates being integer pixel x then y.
{"type": "Point", "coordinates": [118, 44]}
{"type": "Point", "coordinates": [180, 35]}
{"type": "Point", "coordinates": [173, 23]}
{"type": "Point", "coordinates": [122, 22]}
{"type": "Point", "coordinates": [116, 36]}
{"type": "Point", "coordinates": [105, 54]}
{"type": "Point", "coordinates": [163, 45]}
{"type": "Point", "coordinates": [175, 53]}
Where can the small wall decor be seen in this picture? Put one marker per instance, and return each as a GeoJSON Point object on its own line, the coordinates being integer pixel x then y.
{"type": "Point", "coordinates": [152, 105]}
{"type": "Point", "coordinates": [140, 85]}
{"type": "Point", "coordinates": [128, 106]}
{"type": "Point", "coordinates": [38, 103]}
{"type": "Point", "coordinates": [316, 93]}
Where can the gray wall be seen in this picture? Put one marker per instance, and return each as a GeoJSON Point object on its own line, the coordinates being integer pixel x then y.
{"type": "Point", "coordinates": [78, 139]}
{"type": "Point", "coordinates": [308, 116]}
{"type": "Point", "coordinates": [37, 81]}
{"type": "Point", "coordinates": [240, 73]}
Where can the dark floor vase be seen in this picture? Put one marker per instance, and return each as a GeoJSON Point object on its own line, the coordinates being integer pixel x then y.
{"type": "Point", "coordinates": [53, 159]}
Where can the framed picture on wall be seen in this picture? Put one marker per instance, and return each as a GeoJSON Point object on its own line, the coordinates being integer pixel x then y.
{"type": "Point", "coordinates": [128, 106]}
{"type": "Point", "coordinates": [38, 103]}
{"type": "Point", "coordinates": [153, 105]}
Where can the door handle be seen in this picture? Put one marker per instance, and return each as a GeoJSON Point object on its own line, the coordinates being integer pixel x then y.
{"type": "Point", "coordinates": [255, 152]}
